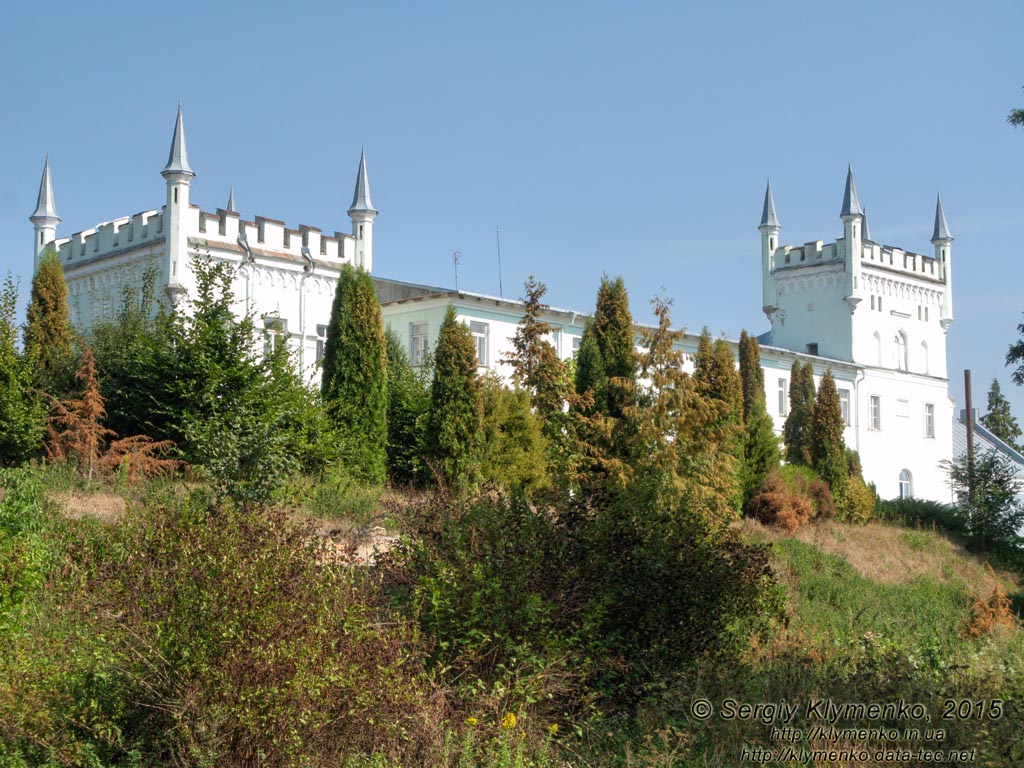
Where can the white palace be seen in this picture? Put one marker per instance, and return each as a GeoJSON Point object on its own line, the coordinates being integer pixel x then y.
{"type": "Point", "coordinates": [876, 315]}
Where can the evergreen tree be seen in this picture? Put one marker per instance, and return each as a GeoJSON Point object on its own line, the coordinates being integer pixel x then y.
{"type": "Point", "coordinates": [354, 382]}
{"type": "Point", "coordinates": [797, 430]}
{"type": "Point", "coordinates": [760, 445]}
{"type": "Point", "coordinates": [999, 421]}
{"type": "Point", "coordinates": [513, 447]}
{"type": "Point", "coordinates": [717, 380]}
{"type": "Point", "coordinates": [534, 361]}
{"type": "Point", "coordinates": [21, 409]}
{"type": "Point", "coordinates": [613, 332]}
{"type": "Point", "coordinates": [828, 451]}
{"type": "Point", "coordinates": [48, 332]}
{"type": "Point", "coordinates": [456, 407]}
{"type": "Point", "coordinates": [590, 374]}
{"type": "Point", "coordinates": [408, 403]}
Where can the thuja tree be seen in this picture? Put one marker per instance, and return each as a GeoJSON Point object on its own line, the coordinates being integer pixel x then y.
{"type": "Point", "coordinates": [797, 431]}
{"type": "Point", "coordinates": [48, 333]}
{"type": "Point", "coordinates": [718, 382]}
{"type": "Point", "coordinates": [456, 408]}
{"type": "Point", "coordinates": [354, 379]}
{"type": "Point", "coordinates": [22, 410]}
{"type": "Point", "coordinates": [999, 420]}
{"type": "Point", "coordinates": [828, 451]}
{"type": "Point", "coordinates": [760, 445]}
{"type": "Point", "coordinates": [613, 332]}
{"type": "Point", "coordinates": [590, 375]}
{"type": "Point", "coordinates": [408, 403]}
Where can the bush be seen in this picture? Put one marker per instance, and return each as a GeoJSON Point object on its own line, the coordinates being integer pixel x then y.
{"type": "Point", "coordinates": [777, 504]}
{"type": "Point", "coordinates": [859, 503]}
{"type": "Point", "coordinates": [921, 512]}
{"type": "Point", "coordinates": [206, 635]}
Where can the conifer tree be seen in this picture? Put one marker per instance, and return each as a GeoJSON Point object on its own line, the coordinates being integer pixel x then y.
{"type": "Point", "coordinates": [534, 361]}
{"type": "Point", "coordinates": [21, 409]}
{"type": "Point", "coordinates": [761, 446]}
{"type": "Point", "coordinates": [408, 402]}
{"type": "Point", "coordinates": [456, 406]}
{"type": "Point", "coordinates": [48, 333]}
{"type": "Point", "coordinates": [797, 430]}
{"type": "Point", "coordinates": [999, 420]}
{"type": "Point", "coordinates": [828, 451]}
{"type": "Point", "coordinates": [613, 332]}
{"type": "Point", "coordinates": [354, 382]}
{"type": "Point", "coordinates": [590, 375]}
{"type": "Point", "coordinates": [716, 379]}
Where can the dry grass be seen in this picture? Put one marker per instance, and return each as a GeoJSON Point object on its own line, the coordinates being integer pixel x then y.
{"type": "Point", "coordinates": [891, 554]}
{"type": "Point", "coordinates": [106, 507]}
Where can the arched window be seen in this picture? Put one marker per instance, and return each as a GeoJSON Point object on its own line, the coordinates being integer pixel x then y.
{"type": "Point", "coordinates": [901, 351]}
{"type": "Point", "coordinates": [924, 356]}
{"type": "Point", "coordinates": [906, 484]}
{"type": "Point", "coordinates": [878, 348]}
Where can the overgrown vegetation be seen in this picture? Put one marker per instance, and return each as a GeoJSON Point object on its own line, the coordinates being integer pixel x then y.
{"type": "Point", "coordinates": [573, 575]}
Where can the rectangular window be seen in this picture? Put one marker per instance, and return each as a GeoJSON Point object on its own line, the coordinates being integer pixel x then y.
{"type": "Point", "coordinates": [576, 344]}
{"type": "Point", "coordinates": [812, 348]}
{"type": "Point", "coordinates": [903, 408]}
{"type": "Point", "coordinates": [929, 420]}
{"type": "Point", "coordinates": [879, 303]}
{"type": "Point", "coordinates": [479, 331]}
{"type": "Point", "coordinates": [275, 334]}
{"type": "Point", "coordinates": [783, 397]}
{"type": "Point", "coordinates": [872, 301]}
{"type": "Point", "coordinates": [321, 341]}
{"type": "Point", "coordinates": [417, 343]}
{"type": "Point", "coordinates": [844, 405]}
{"type": "Point", "coordinates": [926, 314]}
{"type": "Point", "coordinates": [876, 412]}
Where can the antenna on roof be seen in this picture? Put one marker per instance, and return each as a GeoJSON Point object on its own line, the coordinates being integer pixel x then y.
{"type": "Point", "coordinates": [497, 235]}
{"type": "Point", "coordinates": [455, 260]}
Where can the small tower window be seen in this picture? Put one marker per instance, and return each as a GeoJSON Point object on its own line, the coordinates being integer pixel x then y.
{"type": "Point", "coordinates": [360, 230]}
{"type": "Point", "coordinates": [175, 194]}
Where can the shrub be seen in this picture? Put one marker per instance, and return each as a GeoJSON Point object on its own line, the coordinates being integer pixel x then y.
{"type": "Point", "coordinates": [777, 504]}
{"type": "Point", "coordinates": [859, 503]}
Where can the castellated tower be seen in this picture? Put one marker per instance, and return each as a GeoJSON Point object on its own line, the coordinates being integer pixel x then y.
{"type": "Point", "coordinates": [283, 277]}
{"type": "Point", "coordinates": [856, 300]}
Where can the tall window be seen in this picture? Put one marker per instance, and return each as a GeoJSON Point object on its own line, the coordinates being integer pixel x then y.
{"type": "Point", "coordinates": [321, 341]}
{"type": "Point", "coordinates": [417, 343]}
{"type": "Point", "coordinates": [275, 333]}
{"type": "Point", "coordinates": [783, 396]}
{"type": "Point", "coordinates": [901, 351]}
{"type": "Point", "coordinates": [876, 411]}
{"type": "Point", "coordinates": [906, 484]}
{"type": "Point", "coordinates": [576, 344]}
{"type": "Point", "coordinates": [479, 331]}
{"type": "Point", "coordinates": [844, 405]}
{"type": "Point", "coordinates": [929, 420]}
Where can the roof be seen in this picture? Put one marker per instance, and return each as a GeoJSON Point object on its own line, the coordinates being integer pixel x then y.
{"type": "Point", "coordinates": [941, 231]}
{"type": "Point", "coordinates": [177, 159]}
{"type": "Point", "coordinates": [851, 205]}
{"type": "Point", "coordinates": [44, 206]}
{"type": "Point", "coordinates": [768, 217]}
{"type": "Point", "coordinates": [361, 198]}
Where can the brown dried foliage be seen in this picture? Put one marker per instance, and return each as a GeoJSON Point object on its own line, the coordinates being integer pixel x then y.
{"type": "Point", "coordinates": [994, 611]}
{"type": "Point", "coordinates": [75, 431]}
{"type": "Point", "coordinates": [775, 504]}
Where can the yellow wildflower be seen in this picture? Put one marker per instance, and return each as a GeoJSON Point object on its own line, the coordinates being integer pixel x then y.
{"type": "Point", "coordinates": [553, 729]}
{"type": "Point", "coordinates": [471, 721]}
{"type": "Point", "coordinates": [508, 721]}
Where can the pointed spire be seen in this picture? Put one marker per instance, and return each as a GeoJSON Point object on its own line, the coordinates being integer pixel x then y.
{"type": "Point", "coordinates": [361, 199]}
{"type": "Point", "coordinates": [867, 232]}
{"type": "Point", "coordinates": [44, 206]}
{"type": "Point", "coordinates": [851, 205]}
{"type": "Point", "coordinates": [231, 201]}
{"type": "Point", "coordinates": [177, 160]}
{"type": "Point", "coordinates": [768, 217]}
{"type": "Point", "coordinates": [941, 231]}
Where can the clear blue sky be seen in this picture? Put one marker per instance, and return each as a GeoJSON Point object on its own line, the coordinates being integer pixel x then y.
{"type": "Point", "coordinates": [631, 139]}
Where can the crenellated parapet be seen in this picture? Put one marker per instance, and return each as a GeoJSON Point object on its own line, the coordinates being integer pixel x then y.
{"type": "Point", "coordinates": [110, 239]}
{"type": "Point", "coordinates": [270, 236]}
